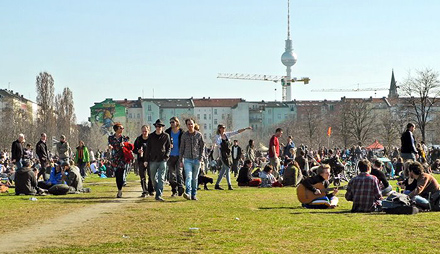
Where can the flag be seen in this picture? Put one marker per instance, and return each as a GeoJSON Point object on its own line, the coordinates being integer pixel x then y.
{"type": "Point", "coordinates": [329, 131]}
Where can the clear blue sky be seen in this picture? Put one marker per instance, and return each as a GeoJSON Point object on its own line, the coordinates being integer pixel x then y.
{"type": "Point", "coordinates": [125, 49]}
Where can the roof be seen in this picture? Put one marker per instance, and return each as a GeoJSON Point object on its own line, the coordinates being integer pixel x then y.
{"type": "Point", "coordinates": [172, 103]}
{"type": "Point", "coordinates": [208, 102]}
{"type": "Point", "coordinates": [270, 104]}
{"type": "Point", "coordinates": [10, 93]}
{"type": "Point", "coordinates": [130, 103]}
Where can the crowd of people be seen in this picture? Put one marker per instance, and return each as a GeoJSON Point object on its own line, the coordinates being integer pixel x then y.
{"type": "Point", "coordinates": [180, 158]}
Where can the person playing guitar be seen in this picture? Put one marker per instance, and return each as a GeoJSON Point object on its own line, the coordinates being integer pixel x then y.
{"type": "Point", "coordinates": [313, 191]}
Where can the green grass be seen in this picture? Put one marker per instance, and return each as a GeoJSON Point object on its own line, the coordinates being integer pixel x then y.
{"type": "Point", "coordinates": [270, 220]}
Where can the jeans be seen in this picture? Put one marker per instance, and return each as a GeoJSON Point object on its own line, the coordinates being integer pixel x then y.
{"type": "Point", "coordinates": [19, 164]}
{"type": "Point", "coordinates": [387, 190]}
{"type": "Point", "coordinates": [224, 170]}
{"type": "Point", "coordinates": [421, 201]}
{"type": "Point", "coordinates": [143, 172]}
{"type": "Point", "coordinates": [235, 166]}
{"type": "Point", "coordinates": [158, 171]}
{"type": "Point", "coordinates": [81, 166]}
{"type": "Point", "coordinates": [175, 174]}
{"type": "Point", "coordinates": [192, 168]}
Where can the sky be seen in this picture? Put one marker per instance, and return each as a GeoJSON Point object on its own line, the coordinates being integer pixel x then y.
{"type": "Point", "coordinates": [175, 49]}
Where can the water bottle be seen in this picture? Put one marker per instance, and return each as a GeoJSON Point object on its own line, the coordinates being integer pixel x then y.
{"type": "Point", "coordinates": [397, 189]}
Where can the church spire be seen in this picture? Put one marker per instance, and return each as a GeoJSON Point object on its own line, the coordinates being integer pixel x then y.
{"type": "Point", "coordinates": [393, 87]}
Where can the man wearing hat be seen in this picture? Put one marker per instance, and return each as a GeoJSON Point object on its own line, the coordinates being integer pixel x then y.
{"type": "Point", "coordinates": [159, 148]}
{"type": "Point", "coordinates": [63, 149]}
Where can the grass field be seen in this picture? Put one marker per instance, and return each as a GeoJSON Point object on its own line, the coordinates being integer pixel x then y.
{"type": "Point", "coordinates": [245, 220]}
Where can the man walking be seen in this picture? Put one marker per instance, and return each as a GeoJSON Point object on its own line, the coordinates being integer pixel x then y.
{"type": "Point", "coordinates": [140, 148]}
{"type": "Point", "coordinates": [174, 169]}
{"type": "Point", "coordinates": [159, 148]}
{"type": "Point", "coordinates": [274, 152]}
{"type": "Point", "coordinates": [192, 151]}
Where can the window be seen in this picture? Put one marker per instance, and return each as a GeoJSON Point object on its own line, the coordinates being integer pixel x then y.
{"type": "Point", "coordinates": [269, 111]}
{"type": "Point", "coordinates": [279, 116]}
{"type": "Point", "coordinates": [210, 126]}
{"type": "Point", "coordinates": [149, 118]}
{"type": "Point", "coordinates": [139, 115]}
{"type": "Point", "coordinates": [198, 116]}
{"type": "Point", "coordinates": [205, 127]}
{"type": "Point", "coordinates": [209, 116]}
{"type": "Point", "coordinates": [223, 116]}
{"type": "Point", "coordinates": [215, 111]}
{"type": "Point", "coordinates": [215, 121]}
{"type": "Point", "coordinates": [149, 107]}
{"type": "Point", "coordinates": [204, 135]}
{"type": "Point", "coordinates": [285, 116]}
{"type": "Point", "coordinates": [129, 115]}
{"type": "Point", "coordinates": [332, 107]}
{"type": "Point", "coordinates": [204, 116]}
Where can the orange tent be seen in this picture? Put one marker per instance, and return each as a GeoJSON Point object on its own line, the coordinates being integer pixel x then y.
{"type": "Point", "coordinates": [375, 146]}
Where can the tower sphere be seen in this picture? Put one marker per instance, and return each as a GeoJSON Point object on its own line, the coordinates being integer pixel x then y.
{"type": "Point", "coordinates": [289, 58]}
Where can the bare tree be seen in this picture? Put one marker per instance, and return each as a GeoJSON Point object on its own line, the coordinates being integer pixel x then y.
{"type": "Point", "coordinates": [359, 119]}
{"type": "Point", "coordinates": [65, 112]}
{"type": "Point", "coordinates": [389, 130]}
{"type": "Point", "coordinates": [423, 91]}
{"type": "Point", "coordinates": [45, 100]}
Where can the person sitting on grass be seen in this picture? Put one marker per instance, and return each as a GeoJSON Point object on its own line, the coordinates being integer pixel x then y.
{"type": "Point", "coordinates": [364, 190]}
{"type": "Point", "coordinates": [26, 180]}
{"type": "Point", "coordinates": [268, 179]}
{"type": "Point", "coordinates": [292, 173]}
{"type": "Point", "coordinates": [322, 176]}
{"type": "Point", "coordinates": [245, 174]}
{"type": "Point", "coordinates": [72, 176]}
{"type": "Point", "coordinates": [376, 170]}
{"type": "Point", "coordinates": [426, 184]}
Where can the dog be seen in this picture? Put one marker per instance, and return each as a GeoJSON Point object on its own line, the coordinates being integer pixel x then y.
{"type": "Point", "coordinates": [205, 180]}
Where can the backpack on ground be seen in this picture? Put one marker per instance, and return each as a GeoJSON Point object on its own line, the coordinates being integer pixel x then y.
{"type": "Point", "coordinates": [398, 203]}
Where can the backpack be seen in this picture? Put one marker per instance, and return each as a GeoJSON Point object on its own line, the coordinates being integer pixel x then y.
{"type": "Point", "coordinates": [435, 201]}
{"type": "Point", "coordinates": [398, 203]}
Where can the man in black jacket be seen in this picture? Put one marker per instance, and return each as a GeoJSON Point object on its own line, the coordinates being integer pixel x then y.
{"type": "Point", "coordinates": [408, 150]}
{"type": "Point", "coordinates": [158, 147]}
{"type": "Point", "coordinates": [17, 151]}
{"type": "Point", "coordinates": [174, 169]}
{"type": "Point", "coordinates": [43, 156]}
{"type": "Point", "coordinates": [140, 148]}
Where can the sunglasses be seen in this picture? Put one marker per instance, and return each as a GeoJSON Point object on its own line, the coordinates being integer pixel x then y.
{"type": "Point", "coordinates": [172, 122]}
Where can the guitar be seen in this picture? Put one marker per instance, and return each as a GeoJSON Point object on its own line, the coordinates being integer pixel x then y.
{"type": "Point", "coordinates": [306, 196]}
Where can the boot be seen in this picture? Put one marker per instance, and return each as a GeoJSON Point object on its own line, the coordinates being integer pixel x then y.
{"type": "Point", "coordinates": [217, 187]}
{"type": "Point", "coordinates": [230, 187]}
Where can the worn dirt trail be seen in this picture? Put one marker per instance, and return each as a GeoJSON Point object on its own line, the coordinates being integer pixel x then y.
{"type": "Point", "coordinates": [23, 239]}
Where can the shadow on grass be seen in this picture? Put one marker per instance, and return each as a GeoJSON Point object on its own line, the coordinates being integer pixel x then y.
{"type": "Point", "coordinates": [324, 211]}
{"type": "Point", "coordinates": [280, 208]}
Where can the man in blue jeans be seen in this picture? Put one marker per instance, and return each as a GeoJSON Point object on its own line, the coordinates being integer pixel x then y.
{"type": "Point", "coordinates": [426, 185]}
{"type": "Point", "coordinates": [192, 149]}
{"type": "Point", "coordinates": [158, 152]}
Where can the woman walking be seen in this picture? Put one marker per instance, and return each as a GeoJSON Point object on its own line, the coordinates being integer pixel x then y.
{"type": "Point", "coordinates": [116, 143]}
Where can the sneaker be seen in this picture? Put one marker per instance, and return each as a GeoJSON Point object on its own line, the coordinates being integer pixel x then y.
{"type": "Point", "coordinates": [119, 194]}
{"type": "Point", "coordinates": [160, 199]}
{"type": "Point", "coordinates": [230, 187]}
{"type": "Point", "coordinates": [151, 193]}
{"type": "Point", "coordinates": [174, 194]}
{"type": "Point", "coordinates": [144, 195]}
{"type": "Point", "coordinates": [217, 187]}
{"type": "Point", "coordinates": [186, 196]}
{"type": "Point", "coordinates": [194, 198]}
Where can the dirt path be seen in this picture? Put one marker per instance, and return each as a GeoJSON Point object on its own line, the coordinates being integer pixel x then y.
{"type": "Point", "coordinates": [24, 238]}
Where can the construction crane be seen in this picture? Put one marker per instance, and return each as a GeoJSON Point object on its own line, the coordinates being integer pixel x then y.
{"type": "Point", "coordinates": [358, 89]}
{"type": "Point", "coordinates": [284, 81]}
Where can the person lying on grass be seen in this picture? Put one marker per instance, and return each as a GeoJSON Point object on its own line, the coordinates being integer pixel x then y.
{"type": "Point", "coordinates": [322, 202]}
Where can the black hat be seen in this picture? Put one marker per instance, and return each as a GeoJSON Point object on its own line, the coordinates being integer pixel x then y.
{"type": "Point", "coordinates": [159, 123]}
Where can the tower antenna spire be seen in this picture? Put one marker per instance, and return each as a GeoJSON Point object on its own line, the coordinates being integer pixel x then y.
{"type": "Point", "coordinates": [288, 19]}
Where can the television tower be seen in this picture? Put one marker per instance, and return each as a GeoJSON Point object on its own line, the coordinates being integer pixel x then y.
{"type": "Point", "coordinates": [288, 58]}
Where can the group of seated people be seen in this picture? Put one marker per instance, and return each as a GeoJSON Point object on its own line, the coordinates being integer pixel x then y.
{"type": "Point", "coordinates": [64, 178]}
